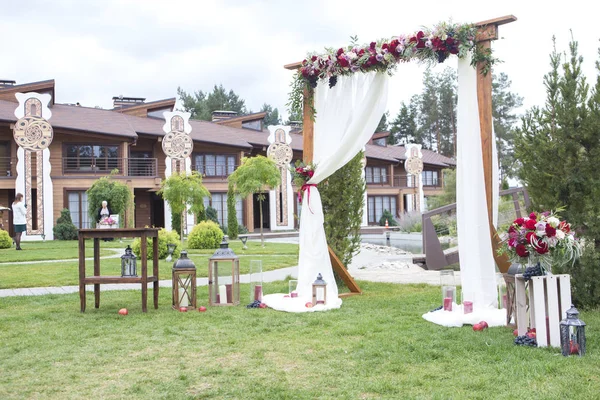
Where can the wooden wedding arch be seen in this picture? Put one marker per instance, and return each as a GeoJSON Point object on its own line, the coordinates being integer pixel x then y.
{"type": "Point", "coordinates": [487, 31]}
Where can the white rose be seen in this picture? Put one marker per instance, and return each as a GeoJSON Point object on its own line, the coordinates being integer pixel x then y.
{"type": "Point", "coordinates": [553, 221]}
{"type": "Point", "coordinates": [352, 55]}
{"type": "Point", "coordinates": [560, 235]}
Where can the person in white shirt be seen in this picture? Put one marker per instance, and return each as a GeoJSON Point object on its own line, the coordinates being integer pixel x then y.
{"type": "Point", "coordinates": [19, 219]}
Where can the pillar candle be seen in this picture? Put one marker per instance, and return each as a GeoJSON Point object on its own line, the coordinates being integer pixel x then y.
{"type": "Point", "coordinates": [258, 292]}
{"type": "Point", "coordinates": [447, 303]}
{"type": "Point", "coordinates": [467, 307]}
{"type": "Point", "coordinates": [504, 300]}
{"type": "Point", "coordinates": [294, 294]}
{"type": "Point", "coordinates": [183, 299]}
{"type": "Point", "coordinates": [450, 293]}
{"type": "Point", "coordinates": [229, 293]}
{"type": "Point", "coordinates": [222, 294]}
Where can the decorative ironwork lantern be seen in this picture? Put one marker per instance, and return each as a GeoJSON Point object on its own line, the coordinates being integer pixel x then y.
{"type": "Point", "coordinates": [128, 263]}
{"type": "Point", "coordinates": [319, 291]}
{"type": "Point", "coordinates": [184, 282]}
{"type": "Point", "coordinates": [572, 334]}
{"type": "Point", "coordinates": [511, 293]}
{"type": "Point", "coordinates": [224, 277]}
{"type": "Point", "coordinates": [244, 239]}
{"type": "Point", "coordinates": [170, 250]}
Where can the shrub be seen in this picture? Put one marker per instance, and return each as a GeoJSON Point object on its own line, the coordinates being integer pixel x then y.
{"type": "Point", "coordinates": [5, 240]}
{"type": "Point", "coordinates": [211, 215]}
{"type": "Point", "coordinates": [232, 223]}
{"type": "Point", "coordinates": [164, 237]}
{"type": "Point", "coordinates": [585, 276]}
{"type": "Point", "coordinates": [389, 217]}
{"type": "Point", "coordinates": [205, 235]}
{"type": "Point", "coordinates": [64, 228]}
{"type": "Point", "coordinates": [411, 222]}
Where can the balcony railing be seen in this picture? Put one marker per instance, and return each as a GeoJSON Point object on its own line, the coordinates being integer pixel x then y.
{"type": "Point", "coordinates": [102, 166]}
{"type": "Point", "coordinates": [402, 181]}
{"type": "Point", "coordinates": [8, 167]}
{"type": "Point", "coordinates": [217, 170]}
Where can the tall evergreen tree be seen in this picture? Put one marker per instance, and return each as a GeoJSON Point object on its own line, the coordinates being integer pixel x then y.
{"type": "Point", "coordinates": [201, 105]}
{"type": "Point", "coordinates": [403, 129]}
{"type": "Point", "coordinates": [272, 117]}
{"type": "Point", "coordinates": [446, 124]}
{"type": "Point", "coordinates": [429, 112]}
{"type": "Point", "coordinates": [383, 123]}
{"type": "Point", "coordinates": [504, 103]}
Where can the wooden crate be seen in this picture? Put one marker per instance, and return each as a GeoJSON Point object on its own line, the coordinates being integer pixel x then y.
{"type": "Point", "coordinates": [542, 303]}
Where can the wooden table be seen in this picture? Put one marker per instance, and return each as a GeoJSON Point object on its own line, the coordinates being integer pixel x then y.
{"type": "Point", "coordinates": [98, 280]}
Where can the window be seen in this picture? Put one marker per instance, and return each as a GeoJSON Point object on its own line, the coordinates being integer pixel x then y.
{"type": "Point", "coordinates": [78, 207]}
{"type": "Point", "coordinates": [377, 204]}
{"type": "Point", "coordinates": [379, 142]}
{"type": "Point", "coordinates": [215, 165]}
{"type": "Point", "coordinates": [218, 201]}
{"type": "Point", "coordinates": [430, 178]}
{"type": "Point", "coordinates": [5, 161]}
{"type": "Point", "coordinates": [81, 157]}
{"type": "Point", "coordinates": [254, 125]}
{"type": "Point", "coordinates": [376, 174]}
{"type": "Point", "coordinates": [141, 163]}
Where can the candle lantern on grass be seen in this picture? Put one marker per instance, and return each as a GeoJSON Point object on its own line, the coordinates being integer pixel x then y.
{"type": "Point", "coordinates": [170, 250]}
{"type": "Point", "coordinates": [448, 289]}
{"type": "Point", "coordinates": [128, 263]}
{"type": "Point", "coordinates": [184, 282]}
{"type": "Point", "coordinates": [572, 334]}
{"type": "Point", "coordinates": [319, 291]}
{"type": "Point", "coordinates": [224, 277]}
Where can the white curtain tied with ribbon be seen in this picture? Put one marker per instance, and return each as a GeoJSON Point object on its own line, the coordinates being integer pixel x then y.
{"type": "Point", "coordinates": [477, 265]}
{"type": "Point", "coordinates": [347, 116]}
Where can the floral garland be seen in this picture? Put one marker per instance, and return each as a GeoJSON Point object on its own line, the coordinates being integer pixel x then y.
{"type": "Point", "coordinates": [301, 174]}
{"type": "Point", "coordinates": [541, 238]}
{"type": "Point", "coordinates": [427, 45]}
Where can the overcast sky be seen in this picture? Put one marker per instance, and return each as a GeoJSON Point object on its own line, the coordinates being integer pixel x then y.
{"type": "Point", "coordinates": [99, 49]}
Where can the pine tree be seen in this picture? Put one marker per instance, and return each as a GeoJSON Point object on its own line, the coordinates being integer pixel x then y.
{"type": "Point", "coordinates": [272, 117]}
{"type": "Point", "coordinates": [504, 103]}
{"type": "Point", "coordinates": [383, 124]}
{"type": "Point", "coordinates": [201, 105]}
{"type": "Point", "coordinates": [403, 129]}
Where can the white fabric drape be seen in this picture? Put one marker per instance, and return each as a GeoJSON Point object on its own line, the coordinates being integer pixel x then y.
{"type": "Point", "coordinates": [477, 266]}
{"type": "Point", "coordinates": [347, 116]}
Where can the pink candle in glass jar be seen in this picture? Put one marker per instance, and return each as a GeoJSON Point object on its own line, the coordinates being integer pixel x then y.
{"type": "Point", "coordinates": [467, 307]}
{"type": "Point", "coordinates": [447, 303]}
{"type": "Point", "coordinates": [294, 294]}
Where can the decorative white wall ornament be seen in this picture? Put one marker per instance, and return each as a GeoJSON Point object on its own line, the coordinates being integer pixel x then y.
{"type": "Point", "coordinates": [414, 166]}
{"type": "Point", "coordinates": [281, 199]}
{"type": "Point", "coordinates": [33, 134]}
{"type": "Point", "coordinates": [178, 147]}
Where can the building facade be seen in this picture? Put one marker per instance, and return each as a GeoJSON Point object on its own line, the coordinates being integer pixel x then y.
{"type": "Point", "coordinates": [88, 143]}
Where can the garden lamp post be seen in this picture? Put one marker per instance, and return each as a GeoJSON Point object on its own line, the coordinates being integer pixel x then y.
{"type": "Point", "coordinates": [572, 334]}
{"type": "Point", "coordinates": [128, 263]}
{"type": "Point", "coordinates": [319, 291]}
{"type": "Point", "coordinates": [170, 250]}
{"type": "Point", "coordinates": [224, 277]}
{"type": "Point", "coordinates": [184, 282]}
{"type": "Point", "coordinates": [244, 239]}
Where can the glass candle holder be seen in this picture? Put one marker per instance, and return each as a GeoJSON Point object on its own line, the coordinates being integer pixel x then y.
{"type": "Point", "coordinates": [448, 297]}
{"type": "Point", "coordinates": [293, 288]}
{"type": "Point", "coordinates": [502, 292]}
{"type": "Point", "coordinates": [467, 302]}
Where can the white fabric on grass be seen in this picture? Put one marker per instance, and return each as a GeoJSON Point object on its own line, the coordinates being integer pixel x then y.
{"type": "Point", "coordinates": [477, 265]}
{"type": "Point", "coordinates": [347, 116]}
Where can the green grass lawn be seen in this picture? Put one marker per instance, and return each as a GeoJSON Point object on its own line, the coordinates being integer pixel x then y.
{"type": "Point", "coordinates": [55, 250]}
{"type": "Point", "coordinates": [376, 346]}
{"type": "Point", "coordinates": [273, 256]}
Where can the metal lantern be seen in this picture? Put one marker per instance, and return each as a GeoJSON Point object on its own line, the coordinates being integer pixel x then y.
{"type": "Point", "coordinates": [319, 291]}
{"type": "Point", "coordinates": [224, 277]}
{"type": "Point", "coordinates": [244, 239]}
{"type": "Point", "coordinates": [184, 282]}
{"type": "Point", "coordinates": [170, 250]}
{"type": "Point", "coordinates": [128, 263]}
{"type": "Point", "coordinates": [572, 334]}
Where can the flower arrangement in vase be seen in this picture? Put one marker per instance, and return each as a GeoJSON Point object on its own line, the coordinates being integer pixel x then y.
{"type": "Point", "coordinates": [107, 222]}
{"type": "Point", "coordinates": [539, 241]}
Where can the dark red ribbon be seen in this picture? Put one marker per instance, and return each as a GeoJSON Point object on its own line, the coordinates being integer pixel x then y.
{"type": "Point", "coordinates": [306, 187]}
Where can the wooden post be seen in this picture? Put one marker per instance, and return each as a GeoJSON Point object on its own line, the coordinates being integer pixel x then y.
{"type": "Point", "coordinates": [97, 271]}
{"type": "Point", "coordinates": [82, 273]}
{"type": "Point", "coordinates": [308, 130]}
{"type": "Point", "coordinates": [488, 31]}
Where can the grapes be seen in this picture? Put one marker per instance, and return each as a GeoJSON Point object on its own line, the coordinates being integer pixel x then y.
{"type": "Point", "coordinates": [436, 309]}
{"type": "Point", "coordinates": [532, 271]}
{"type": "Point", "coordinates": [254, 304]}
{"type": "Point", "coordinates": [332, 81]}
{"type": "Point", "coordinates": [525, 341]}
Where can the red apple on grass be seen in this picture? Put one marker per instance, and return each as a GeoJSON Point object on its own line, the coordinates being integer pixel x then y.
{"type": "Point", "coordinates": [484, 324]}
{"type": "Point", "coordinates": [182, 309]}
{"type": "Point", "coordinates": [262, 305]}
{"type": "Point", "coordinates": [516, 332]}
{"type": "Point", "coordinates": [123, 311]}
{"type": "Point", "coordinates": [202, 309]}
{"type": "Point", "coordinates": [478, 327]}
{"type": "Point", "coordinates": [308, 304]}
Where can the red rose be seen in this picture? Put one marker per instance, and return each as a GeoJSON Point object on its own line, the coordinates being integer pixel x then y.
{"type": "Point", "coordinates": [420, 35]}
{"type": "Point", "coordinates": [454, 50]}
{"type": "Point", "coordinates": [313, 58]}
{"type": "Point", "coordinates": [438, 44]}
{"type": "Point", "coordinates": [550, 231]}
{"type": "Point", "coordinates": [343, 62]}
{"type": "Point", "coordinates": [304, 72]}
{"type": "Point", "coordinates": [522, 250]}
{"type": "Point", "coordinates": [372, 45]}
{"type": "Point", "coordinates": [361, 52]}
{"type": "Point", "coordinates": [421, 44]}
{"type": "Point", "coordinates": [565, 227]}
{"type": "Point", "coordinates": [512, 242]}
{"type": "Point", "coordinates": [373, 60]}
{"type": "Point", "coordinates": [519, 221]}
{"type": "Point", "coordinates": [384, 46]}
{"type": "Point", "coordinates": [533, 216]}
{"type": "Point", "coordinates": [393, 44]}
{"type": "Point", "coordinates": [449, 41]}
{"type": "Point", "coordinates": [529, 235]}
{"type": "Point", "coordinates": [311, 173]}
{"type": "Point", "coordinates": [530, 224]}
{"type": "Point", "coordinates": [541, 247]}
{"type": "Point", "coordinates": [512, 229]}
{"type": "Point", "coordinates": [340, 52]}
{"type": "Point", "coordinates": [299, 170]}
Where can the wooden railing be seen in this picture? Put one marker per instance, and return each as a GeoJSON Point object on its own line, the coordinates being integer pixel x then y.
{"type": "Point", "coordinates": [8, 167]}
{"type": "Point", "coordinates": [135, 167]}
{"type": "Point", "coordinates": [216, 170]}
{"type": "Point", "coordinates": [435, 258]}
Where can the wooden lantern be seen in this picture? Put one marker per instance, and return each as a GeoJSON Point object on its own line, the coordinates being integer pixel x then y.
{"type": "Point", "coordinates": [184, 282]}
{"type": "Point", "coordinates": [319, 291]}
{"type": "Point", "coordinates": [224, 277]}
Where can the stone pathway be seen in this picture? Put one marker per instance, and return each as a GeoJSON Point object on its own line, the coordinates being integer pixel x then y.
{"type": "Point", "coordinates": [373, 263]}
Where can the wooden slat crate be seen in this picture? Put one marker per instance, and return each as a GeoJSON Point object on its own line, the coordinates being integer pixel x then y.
{"type": "Point", "coordinates": [542, 303]}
